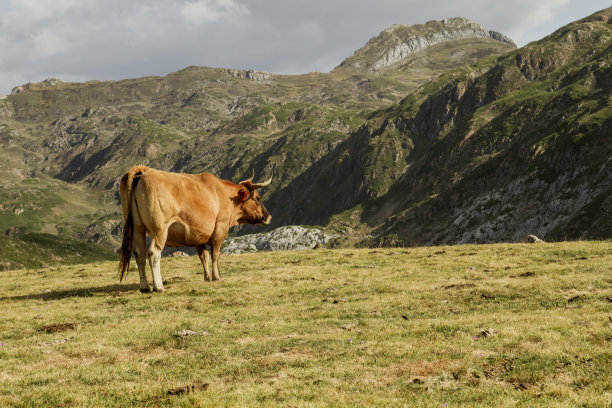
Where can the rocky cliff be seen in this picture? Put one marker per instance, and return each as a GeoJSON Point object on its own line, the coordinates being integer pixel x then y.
{"type": "Point", "coordinates": [397, 42]}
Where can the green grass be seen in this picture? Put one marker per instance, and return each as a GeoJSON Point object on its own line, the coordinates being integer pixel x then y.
{"type": "Point", "coordinates": [384, 327]}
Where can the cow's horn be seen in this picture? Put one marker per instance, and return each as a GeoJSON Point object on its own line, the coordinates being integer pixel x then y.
{"type": "Point", "coordinates": [248, 180]}
{"type": "Point", "coordinates": [264, 184]}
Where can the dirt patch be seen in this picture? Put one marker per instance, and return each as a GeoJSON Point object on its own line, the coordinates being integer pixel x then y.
{"type": "Point", "coordinates": [334, 301]}
{"type": "Point", "coordinates": [522, 386]}
{"type": "Point", "coordinates": [57, 327]}
{"type": "Point", "coordinates": [459, 286]}
{"type": "Point", "coordinates": [188, 389]}
{"type": "Point", "coordinates": [496, 368]}
{"type": "Point", "coordinates": [420, 368]}
{"type": "Point", "coordinates": [526, 274]}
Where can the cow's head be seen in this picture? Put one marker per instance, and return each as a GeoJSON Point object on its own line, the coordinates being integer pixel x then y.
{"type": "Point", "coordinates": [253, 210]}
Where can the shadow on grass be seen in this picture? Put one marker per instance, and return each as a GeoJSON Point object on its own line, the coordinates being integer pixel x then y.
{"type": "Point", "coordinates": [76, 292]}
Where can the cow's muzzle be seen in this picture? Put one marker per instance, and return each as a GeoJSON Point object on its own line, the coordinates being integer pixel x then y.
{"type": "Point", "coordinates": [267, 220]}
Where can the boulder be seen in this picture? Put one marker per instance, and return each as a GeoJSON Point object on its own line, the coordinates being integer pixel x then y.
{"type": "Point", "coordinates": [292, 237]}
{"type": "Point", "coordinates": [533, 239]}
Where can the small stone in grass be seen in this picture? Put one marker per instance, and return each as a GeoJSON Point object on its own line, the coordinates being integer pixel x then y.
{"type": "Point", "coordinates": [187, 333]}
{"type": "Point", "coordinates": [54, 342]}
{"type": "Point", "coordinates": [489, 332]}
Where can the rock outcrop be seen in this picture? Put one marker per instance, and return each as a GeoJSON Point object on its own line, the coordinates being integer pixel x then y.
{"type": "Point", "coordinates": [399, 41]}
{"type": "Point", "coordinates": [249, 74]}
{"type": "Point", "coordinates": [292, 237]}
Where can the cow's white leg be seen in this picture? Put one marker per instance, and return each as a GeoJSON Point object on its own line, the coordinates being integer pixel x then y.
{"type": "Point", "coordinates": [155, 261]}
{"type": "Point", "coordinates": [205, 259]}
{"type": "Point", "coordinates": [155, 248]}
{"type": "Point", "coordinates": [140, 253]}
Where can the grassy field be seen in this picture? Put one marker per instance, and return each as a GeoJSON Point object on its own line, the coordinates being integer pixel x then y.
{"type": "Point", "coordinates": [487, 325]}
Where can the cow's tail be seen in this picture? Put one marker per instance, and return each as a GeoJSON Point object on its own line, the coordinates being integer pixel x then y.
{"type": "Point", "coordinates": [128, 183]}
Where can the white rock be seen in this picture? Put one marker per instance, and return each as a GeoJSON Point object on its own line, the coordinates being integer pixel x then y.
{"type": "Point", "coordinates": [292, 237]}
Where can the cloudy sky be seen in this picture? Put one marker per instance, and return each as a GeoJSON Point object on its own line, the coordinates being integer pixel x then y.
{"type": "Point", "coordinates": [80, 40]}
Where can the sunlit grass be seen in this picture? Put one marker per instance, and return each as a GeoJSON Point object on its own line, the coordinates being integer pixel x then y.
{"type": "Point", "coordinates": [383, 327]}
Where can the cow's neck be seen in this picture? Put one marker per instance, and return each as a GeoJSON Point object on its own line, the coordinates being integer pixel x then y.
{"type": "Point", "coordinates": [236, 211]}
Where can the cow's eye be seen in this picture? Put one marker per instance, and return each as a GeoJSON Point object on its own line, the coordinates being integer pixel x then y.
{"type": "Point", "coordinates": [259, 199]}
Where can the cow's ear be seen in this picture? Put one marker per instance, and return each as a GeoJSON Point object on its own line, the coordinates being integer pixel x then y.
{"type": "Point", "coordinates": [244, 194]}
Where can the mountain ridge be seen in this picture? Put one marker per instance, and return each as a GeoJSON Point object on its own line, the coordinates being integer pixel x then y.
{"type": "Point", "coordinates": [397, 42]}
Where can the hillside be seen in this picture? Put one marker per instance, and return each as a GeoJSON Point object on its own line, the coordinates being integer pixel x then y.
{"type": "Point", "coordinates": [468, 326]}
{"type": "Point", "coordinates": [439, 133]}
{"type": "Point", "coordinates": [65, 145]}
{"type": "Point", "coordinates": [512, 145]}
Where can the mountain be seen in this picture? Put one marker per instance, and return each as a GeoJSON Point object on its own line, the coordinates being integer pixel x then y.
{"type": "Point", "coordinates": [507, 147]}
{"type": "Point", "coordinates": [435, 133]}
{"type": "Point", "coordinates": [401, 45]}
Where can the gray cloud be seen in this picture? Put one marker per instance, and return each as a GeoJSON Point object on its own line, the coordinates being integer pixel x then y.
{"type": "Point", "coordinates": [79, 40]}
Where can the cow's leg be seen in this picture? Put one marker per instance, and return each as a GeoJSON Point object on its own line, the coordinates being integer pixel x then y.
{"type": "Point", "coordinates": [215, 250]}
{"type": "Point", "coordinates": [140, 253]}
{"type": "Point", "coordinates": [205, 258]}
{"type": "Point", "coordinates": [158, 240]}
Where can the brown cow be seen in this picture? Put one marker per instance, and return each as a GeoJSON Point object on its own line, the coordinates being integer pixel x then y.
{"type": "Point", "coordinates": [182, 210]}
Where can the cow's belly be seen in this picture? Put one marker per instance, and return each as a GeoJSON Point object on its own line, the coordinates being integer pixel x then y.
{"type": "Point", "coordinates": [180, 234]}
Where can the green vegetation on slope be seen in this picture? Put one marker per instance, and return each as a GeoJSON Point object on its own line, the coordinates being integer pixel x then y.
{"type": "Point", "coordinates": [37, 250]}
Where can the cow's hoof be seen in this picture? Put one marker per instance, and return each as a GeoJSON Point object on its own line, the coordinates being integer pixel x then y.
{"type": "Point", "coordinates": [159, 290]}
{"type": "Point", "coordinates": [208, 278]}
{"type": "Point", "coordinates": [145, 290]}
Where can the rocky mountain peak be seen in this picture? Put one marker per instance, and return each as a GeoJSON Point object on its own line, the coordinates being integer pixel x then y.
{"type": "Point", "coordinates": [398, 41]}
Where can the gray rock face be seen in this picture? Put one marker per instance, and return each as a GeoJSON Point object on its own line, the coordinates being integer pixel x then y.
{"type": "Point", "coordinates": [399, 41]}
{"type": "Point", "coordinates": [51, 82]}
{"type": "Point", "coordinates": [500, 37]}
{"type": "Point", "coordinates": [18, 89]}
{"type": "Point", "coordinates": [249, 74]}
{"type": "Point", "coordinates": [292, 237]}
{"type": "Point", "coordinates": [505, 216]}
